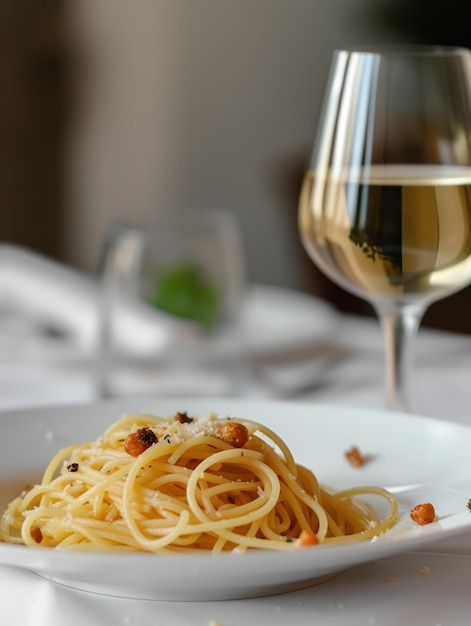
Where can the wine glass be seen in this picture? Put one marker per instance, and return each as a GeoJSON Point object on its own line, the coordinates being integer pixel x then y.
{"type": "Point", "coordinates": [173, 285]}
{"type": "Point", "coordinates": [385, 207]}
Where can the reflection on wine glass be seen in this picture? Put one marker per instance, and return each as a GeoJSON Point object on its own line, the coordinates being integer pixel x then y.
{"type": "Point", "coordinates": [385, 208]}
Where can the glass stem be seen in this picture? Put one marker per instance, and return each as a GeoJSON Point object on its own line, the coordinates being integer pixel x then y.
{"type": "Point", "coordinates": [400, 325]}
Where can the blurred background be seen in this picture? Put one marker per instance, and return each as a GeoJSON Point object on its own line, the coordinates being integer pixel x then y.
{"type": "Point", "coordinates": [113, 109]}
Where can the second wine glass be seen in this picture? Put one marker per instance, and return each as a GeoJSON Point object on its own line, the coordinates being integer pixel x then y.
{"type": "Point", "coordinates": [385, 208]}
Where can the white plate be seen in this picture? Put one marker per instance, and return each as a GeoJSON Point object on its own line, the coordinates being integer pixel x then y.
{"type": "Point", "coordinates": [419, 459]}
{"type": "Point", "coordinates": [277, 319]}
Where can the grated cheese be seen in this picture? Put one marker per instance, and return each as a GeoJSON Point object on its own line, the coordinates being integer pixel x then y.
{"type": "Point", "coordinates": [208, 425]}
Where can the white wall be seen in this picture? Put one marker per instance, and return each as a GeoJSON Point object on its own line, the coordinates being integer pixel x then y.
{"type": "Point", "coordinates": [200, 102]}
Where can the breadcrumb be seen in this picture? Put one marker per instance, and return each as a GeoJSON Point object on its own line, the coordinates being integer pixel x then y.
{"type": "Point", "coordinates": [307, 538]}
{"type": "Point", "coordinates": [355, 457]}
{"type": "Point", "coordinates": [423, 514]}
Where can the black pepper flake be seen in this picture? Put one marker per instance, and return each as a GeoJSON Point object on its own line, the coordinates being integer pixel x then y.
{"type": "Point", "coordinates": [183, 418]}
{"type": "Point", "coordinates": [73, 467]}
{"type": "Point", "coordinates": [147, 436]}
{"type": "Point", "coordinates": [167, 438]}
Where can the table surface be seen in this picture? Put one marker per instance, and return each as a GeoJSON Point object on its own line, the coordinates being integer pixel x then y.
{"type": "Point", "coordinates": [389, 591]}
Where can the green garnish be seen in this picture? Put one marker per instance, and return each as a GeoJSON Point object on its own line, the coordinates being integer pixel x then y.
{"type": "Point", "coordinates": [185, 292]}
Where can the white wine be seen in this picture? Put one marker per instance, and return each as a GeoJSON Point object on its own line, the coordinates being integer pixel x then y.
{"type": "Point", "coordinates": [395, 232]}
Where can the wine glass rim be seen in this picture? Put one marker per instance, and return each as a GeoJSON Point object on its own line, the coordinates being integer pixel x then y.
{"type": "Point", "coordinates": [405, 50]}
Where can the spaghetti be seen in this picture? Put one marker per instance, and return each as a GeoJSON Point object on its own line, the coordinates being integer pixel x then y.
{"type": "Point", "coordinates": [186, 484]}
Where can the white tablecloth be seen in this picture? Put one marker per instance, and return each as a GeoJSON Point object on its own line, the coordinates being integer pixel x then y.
{"type": "Point", "coordinates": [391, 591]}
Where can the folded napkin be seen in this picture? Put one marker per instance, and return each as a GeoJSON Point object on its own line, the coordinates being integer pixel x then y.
{"type": "Point", "coordinates": [57, 299]}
